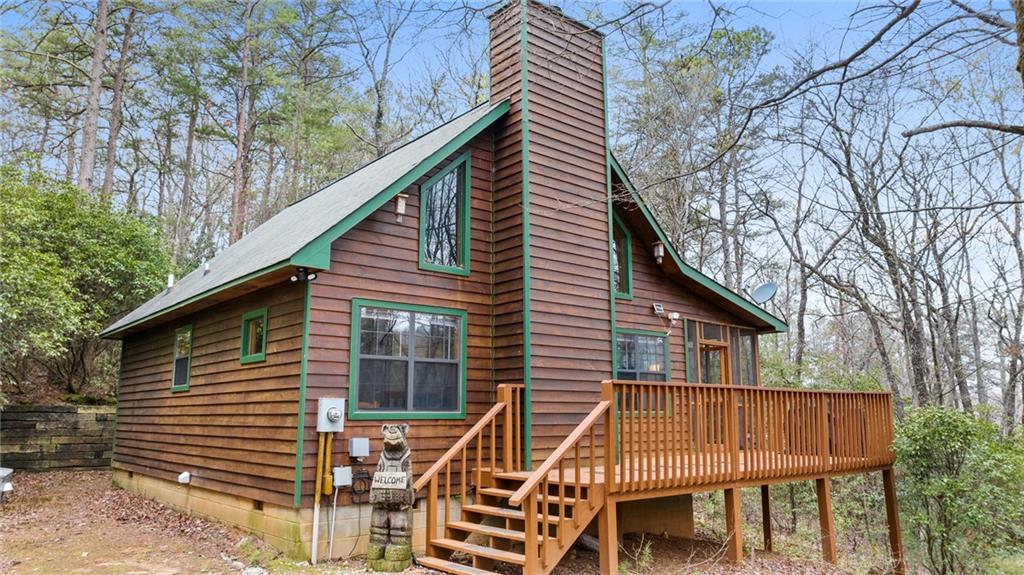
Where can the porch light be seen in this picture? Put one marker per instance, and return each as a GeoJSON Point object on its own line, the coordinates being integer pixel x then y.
{"type": "Point", "coordinates": [659, 252]}
{"type": "Point", "coordinates": [400, 206]}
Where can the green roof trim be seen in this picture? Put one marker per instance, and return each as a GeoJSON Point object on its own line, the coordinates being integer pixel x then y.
{"type": "Point", "coordinates": [122, 328]}
{"type": "Point", "coordinates": [301, 234]}
{"type": "Point", "coordinates": [777, 324]}
{"type": "Point", "coordinates": [317, 253]}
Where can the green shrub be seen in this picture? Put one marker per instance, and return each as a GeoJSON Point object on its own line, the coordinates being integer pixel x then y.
{"type": "Point", "coordinates": [961, 490]}
{"type": "Point", "coordinates": [69, 264]}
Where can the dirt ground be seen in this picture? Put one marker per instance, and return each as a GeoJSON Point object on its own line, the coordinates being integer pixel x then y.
{"type": "Point", "coordinates": [78, 523]}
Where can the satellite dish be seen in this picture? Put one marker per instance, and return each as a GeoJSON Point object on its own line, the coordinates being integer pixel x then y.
{"type": "Point", "coordinates": [764, 292]}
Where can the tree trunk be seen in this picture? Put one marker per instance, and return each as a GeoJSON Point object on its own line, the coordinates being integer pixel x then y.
{"type": "Point", "coordinates": [92, 103]}
{"type": "Point", "coordinates": [801, 326]}
{"type": "Point", "coordinates": [239, 192]}
{"type": "Point", "coordinates": [179, 244]}
{"type": "Point", "coordinates": [979, 372]}
{"type": "Point", "coordinates": [70, 158]}
{"type": "Point", "coordinates": [116, 114]}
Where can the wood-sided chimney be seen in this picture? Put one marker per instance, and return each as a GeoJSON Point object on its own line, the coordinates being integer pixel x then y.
{"type": "Point", "coordinates": [552, 273]}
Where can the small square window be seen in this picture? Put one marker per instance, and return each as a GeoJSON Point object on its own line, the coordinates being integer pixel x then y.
{"type": "Point", "coordinates": [254, 336]}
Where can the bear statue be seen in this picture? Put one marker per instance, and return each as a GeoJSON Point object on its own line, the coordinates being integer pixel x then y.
{"type": "Point", "coordinates": [392, 498]}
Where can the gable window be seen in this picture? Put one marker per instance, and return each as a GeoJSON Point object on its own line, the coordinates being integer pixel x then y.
{"type": "Point", "coordinates": [641, 356]}
{"type": "Point", "coordinates": [622, 272]}
{"type": "Point", "coordinates": [182, 358]}
{"type": "Point", "coordinates": [254, 336]}
{"type": "Point", "coordinates": [444, 219]}
{"type": "Point", "coordinates": [408, 361]}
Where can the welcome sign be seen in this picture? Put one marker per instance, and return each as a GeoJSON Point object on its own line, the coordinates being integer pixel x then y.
{"type": "Point", "coordinates": [390, 480]}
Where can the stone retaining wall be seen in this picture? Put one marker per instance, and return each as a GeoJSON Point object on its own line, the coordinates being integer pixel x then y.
{"type": "Point", "coordinates": [42, 437]}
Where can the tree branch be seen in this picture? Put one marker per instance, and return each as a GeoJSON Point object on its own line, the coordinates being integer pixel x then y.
{"type": "Point", "coordinates": [1005, 128]}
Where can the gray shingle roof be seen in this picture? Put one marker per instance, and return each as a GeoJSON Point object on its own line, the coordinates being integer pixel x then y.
{"type": "Point", "coordinates": [318, 217]}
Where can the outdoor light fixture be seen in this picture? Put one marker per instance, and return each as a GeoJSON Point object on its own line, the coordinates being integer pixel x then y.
{"type": "Point", "coordinates": [400, 206]}
{"type": "Point", "coordinates": [303, 275]}
{"type": "Point", "coordinates": [659, 252]}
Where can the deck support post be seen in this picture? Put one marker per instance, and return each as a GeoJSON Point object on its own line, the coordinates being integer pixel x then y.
{"type": "Point", "coordinates": [828, 529]}
{"type": "Point", "coordinates": [608, 538]}
{"type": "Point", "coordinates": [892, 513]}
{"type": "Point", "coordinates": [766, 518]}
{"type": "Point", "coordinates": [733, 525]}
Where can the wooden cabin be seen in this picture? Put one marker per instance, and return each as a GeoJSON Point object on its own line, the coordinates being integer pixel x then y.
{"type": "Point", "coordinates": [499, 285]}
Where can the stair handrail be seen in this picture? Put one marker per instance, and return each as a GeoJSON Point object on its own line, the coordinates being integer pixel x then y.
{"type": "Point", "coordinates": [470, 435]}
{"type": "Point", "coordinates": [536, 501]}
{"type": "Point", "coordinates": [559, 453]}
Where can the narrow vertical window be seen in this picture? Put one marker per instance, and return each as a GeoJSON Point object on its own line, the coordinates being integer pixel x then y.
{"type": "Point", "coordinates": [622, 273]}
{"type": "Point", "coordinates": [182, 358]}
{"type": "Point", "coordinates": [254, 336]}
{"type": "Point", "coordinates": [692, 373]}
{"type": "Point", "coordinates": [748, 355]}
{"type": "Point", "coordinates": [444, 219]}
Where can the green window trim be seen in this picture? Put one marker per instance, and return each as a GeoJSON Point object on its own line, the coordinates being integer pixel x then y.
{"type": "Point", "coordinates": [627, 272]}
{"type": "Point", "coordinates": [665, 336]}
{"type": "Point", "coordinates": [462, 218]}
{"type": "Point", "coordinates": [353, 367]}
{"type": "Point", "coordinates": [261, 355]}
{"type": "Point", "coordinates": [174, 360]}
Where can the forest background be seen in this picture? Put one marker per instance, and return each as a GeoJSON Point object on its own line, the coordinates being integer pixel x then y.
{"type": "Point", "coordinates": [865, 156]}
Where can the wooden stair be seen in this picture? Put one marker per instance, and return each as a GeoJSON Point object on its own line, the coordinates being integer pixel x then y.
{"type": "Point", "coordinates": [491, 531]}
{"type": "Point", "coordinates": [510, 516]}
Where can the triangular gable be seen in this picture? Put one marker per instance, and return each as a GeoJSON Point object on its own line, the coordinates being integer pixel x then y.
{"type": "Point", "coordinates": [731, 298]}
{"type": "Point", "coordinates": [301, 234]}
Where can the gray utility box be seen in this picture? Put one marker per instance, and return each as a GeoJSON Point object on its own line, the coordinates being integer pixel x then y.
{"type": "Point", "coordinates": [330, 415]}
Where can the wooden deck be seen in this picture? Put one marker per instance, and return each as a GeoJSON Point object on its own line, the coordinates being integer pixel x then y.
{"type": "Point", "coordinates": [703, 475]}
{"type": "Point", "coordinates": [665, 439]}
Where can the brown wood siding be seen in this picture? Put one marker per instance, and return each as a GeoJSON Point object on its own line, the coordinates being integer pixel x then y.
{"type": "Point", "coordinates": [508, 210]}
{"type": "Point", "coordinates": [234, 429]}
{"type": "Point", "coordinates": [569, 273]}
{"type": "Point", "coordinates": [378, 259]}
{"type": "Point", "coordinates": [652, 285]}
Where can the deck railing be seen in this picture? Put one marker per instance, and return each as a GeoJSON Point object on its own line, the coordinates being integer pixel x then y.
{"type": "Point", "coordinates": [486, 444]}
{"type": "Point", "coordinates": [681, 435]}
{"type": "Point", "coordinates": [562, 493]}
